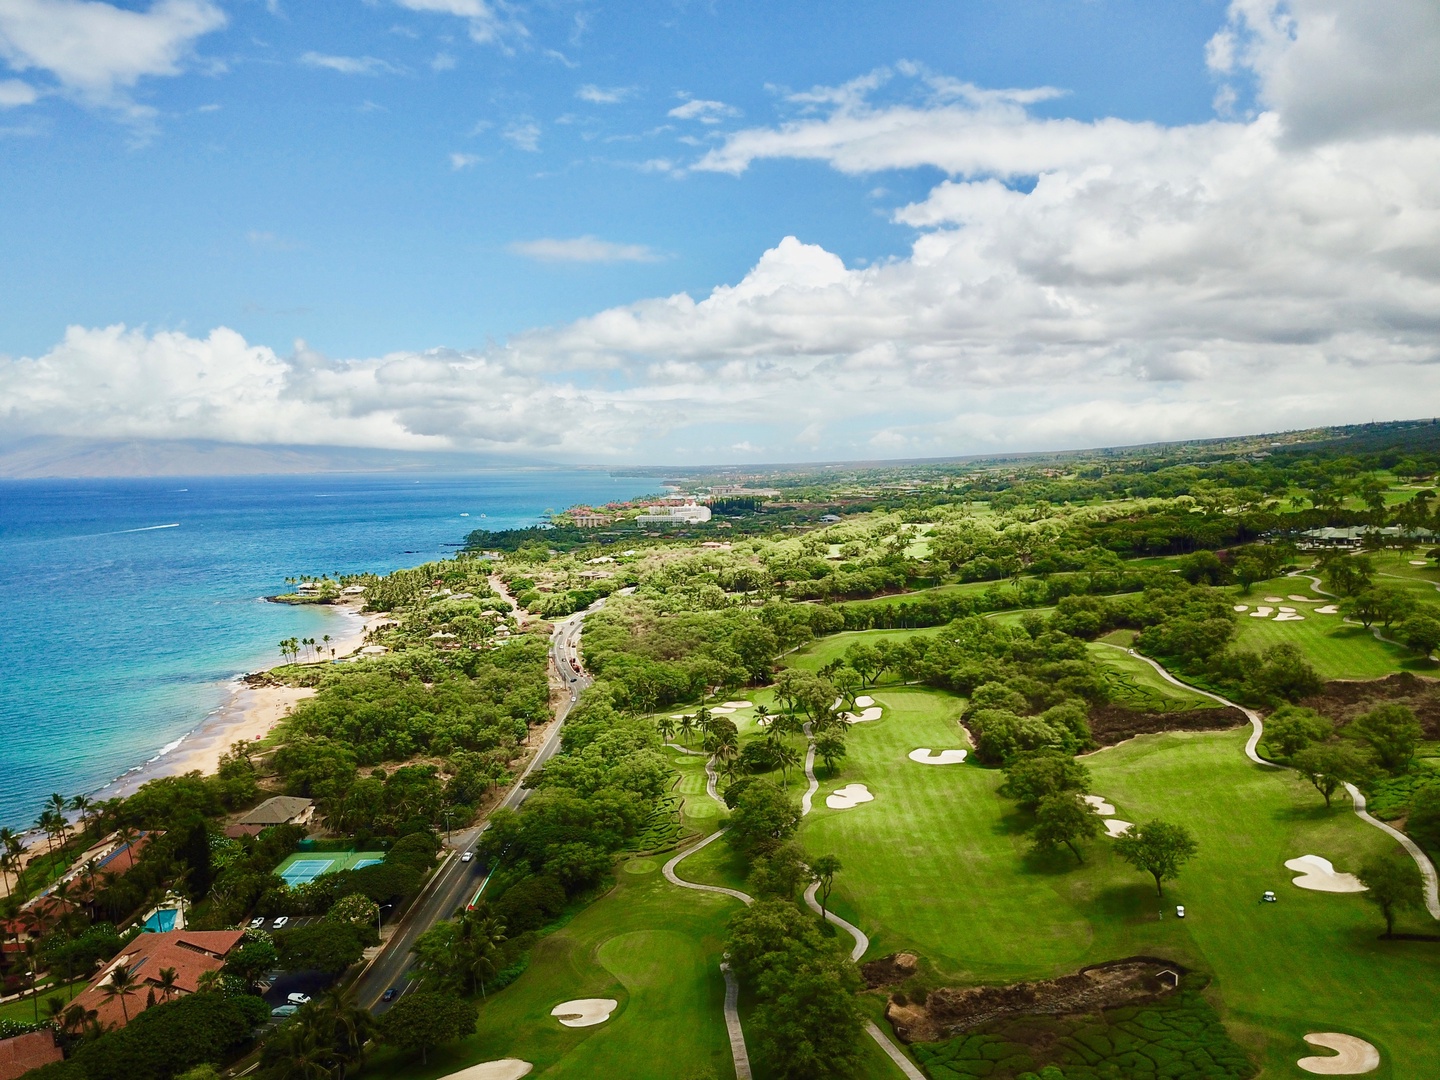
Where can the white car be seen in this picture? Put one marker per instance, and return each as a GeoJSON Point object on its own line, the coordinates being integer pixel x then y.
{"type": "Point", "coordinates": [467, 856]}
{"type": "Point", "coordinates": [257, 922]}
{"type": "Point", "coordinates": [297, 998]}
{"type": "Point", "coordinates": [1179, 911]}
{"type": "Point", "coordinates": [281, 921]}
{"type": "Point", "coordinates": [284, 1010]}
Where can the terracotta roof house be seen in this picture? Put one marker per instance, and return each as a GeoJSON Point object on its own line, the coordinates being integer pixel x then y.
{"type": "Point", "coordinates": [190, 952]}
{"type": "Point", "coordinates": [25, 1052]}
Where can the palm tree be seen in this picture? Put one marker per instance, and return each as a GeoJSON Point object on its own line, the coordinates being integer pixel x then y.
{"type": "Point", "coordinates": [787, 757]}
{"type": "Point", "coordinates": [687, 727]}
{"type": "Point", "coordinates": [480, 937]}
{"type": "Point", "coordinates": [121, 984]}
{"type": "Point", "coordinates": [345, 1025]}
{"type": "Point", "coordinates": [299, 1053]}
{"type": "Point", "coordinates": [83, 804]}
{"type": "Point", "coordinates": [59, 804]}
{"type": "Point", "coordinates": [10, 851]}
{"type": "Point", "coordinates": [726, 754]}
{"type": "Point", "coordinates": [762, 715]}
{"type": "Point", "coordinates": [167, 983]}
{"type": "Point", "coordinates": [326, 640]}
{"type": "Point", "coordinates": [666, 726]}
{"type": "Point", "coordinates": [207, 981]}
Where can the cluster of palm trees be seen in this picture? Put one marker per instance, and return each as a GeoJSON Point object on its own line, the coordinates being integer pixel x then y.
{"type": "Point", "coordinates": [462, 953]}
{"type": "Point", "coordinates": [720, 738]}
{"type": "Point", "coordinates": [291, 647]}
{"type": "Point", "coordinates": [324, 1040]}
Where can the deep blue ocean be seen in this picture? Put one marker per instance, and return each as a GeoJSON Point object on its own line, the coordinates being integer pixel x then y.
{"type": "Point", "coordinates": [129, 606]}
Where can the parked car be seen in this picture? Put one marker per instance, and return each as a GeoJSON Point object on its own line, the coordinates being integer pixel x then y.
{"type": "Point", "coordinates": [390, 995]}
{"type": "Point", "coordinates": [257, 922]}
{"type": "Point", "coordinates": [298, 998]}
{"type": "Point", "coordinates": [467, 856]}
{"type": "Point", "coordinates": [285, 1010]}
{"type": "Point", "coordinates": [281, 921]}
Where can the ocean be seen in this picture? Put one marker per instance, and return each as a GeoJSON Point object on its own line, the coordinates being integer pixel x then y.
{"type": "Point", "coordinates": [130, 606]}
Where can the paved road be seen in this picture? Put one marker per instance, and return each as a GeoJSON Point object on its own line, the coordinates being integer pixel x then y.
{"type": "Point", "coordinates": [456, 882]}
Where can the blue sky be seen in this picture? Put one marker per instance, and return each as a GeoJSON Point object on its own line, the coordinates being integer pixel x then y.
{"type": "Point", "coordinates": [385, 179]}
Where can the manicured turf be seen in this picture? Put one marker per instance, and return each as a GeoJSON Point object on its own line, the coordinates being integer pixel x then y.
{"type": "Point", "coordinates": [1137, 685]}
{"type": "Point", "coordinates": [654, 948]}
{"type": "Point", "coordinates": [832, 647]}
{"type": "Point", "coordinates": [938, 864]}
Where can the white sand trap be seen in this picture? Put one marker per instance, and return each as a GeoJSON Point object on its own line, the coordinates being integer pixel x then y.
{"type": "Point", "coordinates": [926, 756]}
{"type": "Point", "coordinates": [1289, 616]}
{"type": "Point", "coordinates": [1242, 607]}
{"type": "Point", "coordinates": [584, 1012]}
{"type": "Point", "coordinates": [678, 716]}
{"type": "Point", "coordinates": [872, 713]}
{"type": "Point", "coordinates": [1302, 599]}
{"type": "Point", "coordinates": [849, 797]}
{"type": "Point", "coordinates": [720, 710]}
{"type": "Point", "coordinates": [1101, 806]}
{"type": "Point", "coordinates": [1328, 609]}
{"type": "Point", "coordinates": [864, 701]}
{"type": "Point", "coordinates": [1352, 1056]}
{"type": "Point", "coordinates": [1319, 874]}
{"type": "Point", "coordinates": [504, 1069]}
{"type": "Point", "coordinates": [1115, 827]}
{"type": "Point", "coordinates": [1261, 612]}
{"type": "Point", "coordinates": [1274, 599]}
{"type": "Point", "coordinates": [1289, 609]}
{"type": "Point", "coordinates": [1418, 562]}
{"type": "Point", "coordinates": [739, 704]}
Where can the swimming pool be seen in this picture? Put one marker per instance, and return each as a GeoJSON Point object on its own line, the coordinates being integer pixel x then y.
{"type": "Point", "coordinates": [161, 922]}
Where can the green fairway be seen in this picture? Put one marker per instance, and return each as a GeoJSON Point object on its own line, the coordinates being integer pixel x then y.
{"type": "Point", "coordinates": [1136, 685]}
{"type": "Point", "coordinates": [832, 647]}
{"type": "Point", "coordinates": [937, 864]}
{"type": "Point", "coordinates": [654, 948]}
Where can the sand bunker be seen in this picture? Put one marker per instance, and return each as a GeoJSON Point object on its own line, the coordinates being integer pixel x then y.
{"type": "Point", "coordinates": [584, 1012]}
{"type": "Point", "coordinates": [721, 710]}
{"type": "Point", "coordinates": [1319, 874]}
{"type": "Point", "coordinates": [1328, 609]}
{"type": "Point", "coordinates": [1352, 1056]}
{"type": "Point", "coordinates": [1242, 607]}
{"type": "Point", "coordinates": [872, 713]}
{"type": "Point", "coordinates": [1274, 599]}
{"type": "Point", "coordinates": [739, 704]}
{"type": "Point", "coordinates": [926, 756]}
{"type": "Point", "coordinates": [504, 1069]}
{"type": "Point", "coordinates": [1302, 599]}
{"type": "Point", "coordinates": [1418, 562]}
{"type": "Point", "coordinates": [1261, 612]}
{"type": "Point", "coordinates": [1115, 827]}
{"type": "Point", "coordinates": [1289, 616]}
{"type": "Point", "coordinates": [1100, 805]}
{"type": "Point", "coordinates": [849, 797]}
{"type": "Point", "coordinates": [864, 702]}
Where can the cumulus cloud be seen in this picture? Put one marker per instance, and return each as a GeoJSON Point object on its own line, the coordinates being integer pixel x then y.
{"type": "Point", "coordinates": [486, 24]}
{"type": "Point", "coordinates": [583, 249]}
{"type": "Point", "coordinates": [523, 135]}
{"type": "Point", "coordinates": [1144, 282]}
{"type": "Point", "coordinates": [604, 95]}
{"type": "Point", "coordinates": [96, 51]}
{"type": "Point", "coordinates": [463, 161]}
{"type": "Point", "coordinates": [15, 92]}
{"type": "Point", "coordinates": [707, 112]}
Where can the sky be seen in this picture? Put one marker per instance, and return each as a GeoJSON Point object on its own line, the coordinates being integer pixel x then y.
{"type": "Point", "coordinates": [716, 232]}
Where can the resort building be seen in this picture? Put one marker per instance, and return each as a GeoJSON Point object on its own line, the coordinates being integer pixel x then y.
{"type": "Point", "coordinates": [690, 513]}
{"type": "Point", "coordinates": [280, 810]}
{"type": "Point", "coordinates": [589, 519]}
{"type": "Point", "coordinates": [25, 1052]}
{"type": "Point", "coordinates": [189, 954]}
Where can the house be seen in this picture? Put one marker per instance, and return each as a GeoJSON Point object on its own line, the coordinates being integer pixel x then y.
{"type": "Point", "coordinates": [589, 519]}
{"type": "Point", "coordinates": [25, 1052]}
{"type": "Point", "coordinates": [280, 810]}
{"type": "Point", "coordinates": [189, 953]}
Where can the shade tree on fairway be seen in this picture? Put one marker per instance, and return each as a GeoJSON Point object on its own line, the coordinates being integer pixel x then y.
{"type": "Point", "coordinates": [1159, 848]}
{"type": "Point", "coordinates": [427, 1019]}
{"type": "Point", "coordinates": [1393, 733]}
{"type": "Point", "coordinates": [1031, 777]}
{"type": "Point", "coordinates": [830, 747]}
{"type": "Point", "coordinates": [1329, 766]}
{"type": "Point", "coordinates": [1064, 818]}
{"type": "Point", "coordinates": [1392, 884]}
{"type": "Point", "coordinates": [762, 816]}
{"type": "Point", "coordinates": [1291, 729]}
{"type": "Point", "coordinates": [1420, 632]}
{"type": "Point", "coordinates": [823, 871]}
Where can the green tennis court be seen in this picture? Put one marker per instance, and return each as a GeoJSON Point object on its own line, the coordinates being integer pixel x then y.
{"type": "Point", "coordinates": [307, 866]}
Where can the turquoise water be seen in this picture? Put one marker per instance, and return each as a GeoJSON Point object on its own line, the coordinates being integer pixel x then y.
{"type": "Point", "coordinates": [162, 922]}
{"type": "Point", "coordinates": [130, 605]}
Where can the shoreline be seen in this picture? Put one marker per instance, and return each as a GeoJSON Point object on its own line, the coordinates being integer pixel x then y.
{"type": "Point", "coordinates": [248, 714]}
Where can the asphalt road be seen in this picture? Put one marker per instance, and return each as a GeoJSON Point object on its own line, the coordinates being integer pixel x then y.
{"type": "Point", "coordinates": [456, 882]}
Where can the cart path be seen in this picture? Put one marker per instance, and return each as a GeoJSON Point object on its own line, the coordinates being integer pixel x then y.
{"type": "Point", "coordinates": [1427, 868]}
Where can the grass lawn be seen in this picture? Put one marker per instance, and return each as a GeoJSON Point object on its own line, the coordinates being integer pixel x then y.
{"type": "Point", "coordinates": [821, 651]}
{"type": "Point", "coordinates": [24, 1010]}
{"type": "Point", "coordinates": [938, 864]}
{"type": "Point", "coordinates": [654, 948]}
{"type": "Point", "coordinates": [1137, 685]}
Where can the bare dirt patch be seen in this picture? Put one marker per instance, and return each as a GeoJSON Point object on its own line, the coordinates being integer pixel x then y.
{"type": "Point", "coordinates": [889, 970]}
{"type": "Point", "coordinates": [1111, 724]}
{"type": "Point", "coordinates": [951, 1011]}
{"type": "Point", "coordinates": [1343, 701]}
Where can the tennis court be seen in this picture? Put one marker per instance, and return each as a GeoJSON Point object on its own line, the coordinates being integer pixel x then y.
{"type": "Point", "coordinates": [307, 866]}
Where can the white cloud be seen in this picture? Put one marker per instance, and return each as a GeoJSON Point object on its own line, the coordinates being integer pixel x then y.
{"type": "Point", "coordinates": [707, 112]}
{"type": "Point", "coordinates": [523, 135]}
{"type": "Point", "coordinates": [349, 65]}
{"type": "Point", "coordinates": [96, 51]}
{"type": "Point", "coordinates": [464, 161]}
{"type": "Point", "coordinates": [1150, 282]}
{"type": "Point", "coordinates": [15, 92]}
{"type": "Point", "coordinates": [486, 25]}
{"type": "Point", "coordinates": [442, 62]}
{"type": "Point", "coordinates": [584, 249]}
{"type": "Point", "coordinates": [604, 95]}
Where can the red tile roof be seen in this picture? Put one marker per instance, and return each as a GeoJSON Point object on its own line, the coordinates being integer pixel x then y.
{"type": "Point", "coordinates": [25, 1052]}
{"type": "Point", "coordinates": [190, 952]}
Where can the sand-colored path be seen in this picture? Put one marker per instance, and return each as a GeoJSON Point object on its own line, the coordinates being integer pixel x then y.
{"type": "Point", "coordinates": [1352, 1056]}
{"type": "Point", "coordinates": [1427, 868]}
{"type": "Point", "coordinates": [504, 1069]}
